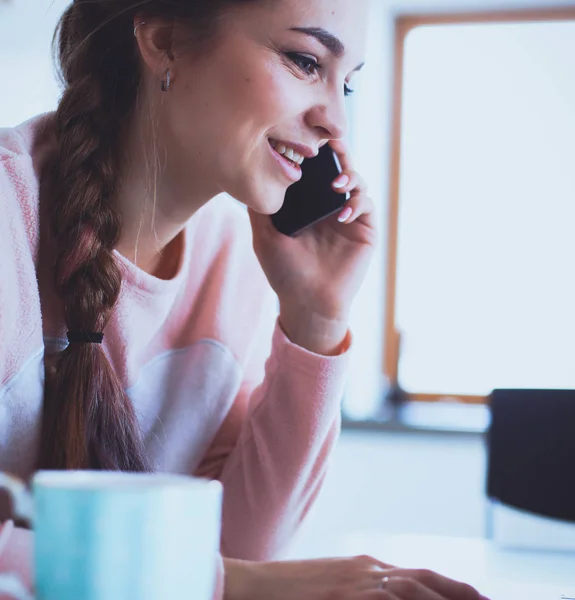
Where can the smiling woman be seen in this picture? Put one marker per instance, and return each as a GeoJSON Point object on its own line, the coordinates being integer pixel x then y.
{"type": "Point", "coordinates": [138, 304]}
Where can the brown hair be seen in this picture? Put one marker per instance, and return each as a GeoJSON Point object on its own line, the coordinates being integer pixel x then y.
{"type": "Point", "coordinates": [88, 419]}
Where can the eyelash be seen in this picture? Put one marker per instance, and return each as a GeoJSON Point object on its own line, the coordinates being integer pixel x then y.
{"type": "Point", "coordinates": [305, 62]}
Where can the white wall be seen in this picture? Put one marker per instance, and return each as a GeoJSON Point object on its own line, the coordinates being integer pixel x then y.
{"type": "Point", "coordinates": [400, 483]}
{"type": "Point", "coordinates": [27, 83]}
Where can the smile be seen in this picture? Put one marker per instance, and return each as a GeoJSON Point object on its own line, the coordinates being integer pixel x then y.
{"type": "Point", "coordinates": [289, 153]}
{"type": "Point", "coordinates": [287, 160]}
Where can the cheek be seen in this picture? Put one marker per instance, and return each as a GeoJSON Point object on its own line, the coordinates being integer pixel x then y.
{"type": "Point", "coordinates": [198, 118]}
{"type": "Point", "coordinates": [273, 95]}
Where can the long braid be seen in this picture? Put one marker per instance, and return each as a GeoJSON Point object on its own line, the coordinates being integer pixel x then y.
{"type": "Point", "coordinates": [89, 422]}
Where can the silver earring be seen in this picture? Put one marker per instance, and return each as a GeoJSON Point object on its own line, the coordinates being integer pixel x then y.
{"type": "Point", "coordinates": [136, 27]}
{"type": "Point", "coordinates": [165, 86]}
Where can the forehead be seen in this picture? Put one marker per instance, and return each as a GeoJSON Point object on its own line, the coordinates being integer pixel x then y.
{"type": "Point", "coordinates": [345, 19]}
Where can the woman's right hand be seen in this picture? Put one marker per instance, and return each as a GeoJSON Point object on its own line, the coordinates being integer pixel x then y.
{"type": "Point", "coordinates": [358, 578]}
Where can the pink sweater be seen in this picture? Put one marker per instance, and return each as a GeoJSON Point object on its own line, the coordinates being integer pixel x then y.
{"type": "Point", "coordinates": [219, 390]}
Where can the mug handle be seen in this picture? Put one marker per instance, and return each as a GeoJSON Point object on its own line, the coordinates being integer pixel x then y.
{"type": "Point", "coordinates": [21, 497]}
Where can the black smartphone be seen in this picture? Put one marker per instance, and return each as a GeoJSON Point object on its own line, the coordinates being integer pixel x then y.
{"type": "Point", "coordinates": [312, 198]}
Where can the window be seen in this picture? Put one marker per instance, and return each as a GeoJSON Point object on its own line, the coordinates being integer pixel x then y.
{"type": "Point", "coordinates": [480, 285]}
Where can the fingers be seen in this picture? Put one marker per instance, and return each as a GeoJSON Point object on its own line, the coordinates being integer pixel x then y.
{"type": "Point", "coordinates": [343, 154]}
{"type": "Point", "coordinates": [378, 595]}
{"type": "Point", "coordinates": [443, 587]}
{"type": "Point", "coordinates": [379, 566]}
{"type": "Point", "coordinates": [392, 583]}
{"type": "Point", "coordinates": [350, 181]}
{"type": "Point", "coordinates": [359, 203]}
{"type": "Point", "coordinates": [361, 209]}
{"type": "Point", "coordinates": [355, 208]}
{"type": "Point", "coordinates": [411, 589]}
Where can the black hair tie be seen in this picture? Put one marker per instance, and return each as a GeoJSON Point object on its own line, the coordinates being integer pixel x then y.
{"type": "Point", "coordinates": [84, 337]}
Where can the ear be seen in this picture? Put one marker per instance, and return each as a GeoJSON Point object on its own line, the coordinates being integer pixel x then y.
{"type": "Point", "coordinates": [155, 39]}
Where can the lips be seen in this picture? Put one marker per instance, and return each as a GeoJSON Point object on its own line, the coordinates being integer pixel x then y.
{"type": "Point", "coordinates": [288, 152]}
{"type": "Point", "coordinates": [301, 149]}
{"type": "Point", "coordinates": [290, 169]}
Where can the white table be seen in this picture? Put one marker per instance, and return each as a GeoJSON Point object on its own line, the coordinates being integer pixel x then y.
{"type": "Point", "coordinates": [498, 573]}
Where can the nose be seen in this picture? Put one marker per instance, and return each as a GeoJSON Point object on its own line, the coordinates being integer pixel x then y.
{"type": "Point", "coordinates": [329, 116]}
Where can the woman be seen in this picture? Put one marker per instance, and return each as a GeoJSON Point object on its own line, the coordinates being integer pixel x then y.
{"type": "Point", "coordinates": [130, 281]}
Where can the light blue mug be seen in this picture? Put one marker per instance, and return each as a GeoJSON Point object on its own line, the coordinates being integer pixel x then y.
{"type": "Point", "coordinates": [121, 536]}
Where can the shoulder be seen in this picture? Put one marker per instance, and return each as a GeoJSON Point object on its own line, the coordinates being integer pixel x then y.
{"type": "Point", "coordinates": [12, 143]}
{"type": "Point", "coordinates": [21, 154]}
{"type": "Point", "coordinates": [24, 141]}
{"type": "Point", "coordinates": [23, 151]}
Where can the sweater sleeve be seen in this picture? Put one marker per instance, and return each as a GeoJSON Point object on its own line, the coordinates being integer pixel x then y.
{"type": "Point", "coordinates": [16, 553]}
{"type": "Point", "coordinates": [20, 316]}
{"type": "Point", "coordinates": [272, 452]}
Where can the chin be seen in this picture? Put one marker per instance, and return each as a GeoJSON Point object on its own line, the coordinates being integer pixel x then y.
{"type": "Point", "coordinates": [266, 202]}
{"type": "Point", "coordinates": [270, 208]}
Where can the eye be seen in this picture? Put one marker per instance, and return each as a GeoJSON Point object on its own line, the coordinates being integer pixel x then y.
{"type": "Point", "coordinates": [305, 63]}
{"type": "Point", "coordinates": [310, 66]}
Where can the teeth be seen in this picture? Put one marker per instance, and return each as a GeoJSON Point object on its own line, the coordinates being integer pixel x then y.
{"type": "Point", "coordinates": [289, 153]}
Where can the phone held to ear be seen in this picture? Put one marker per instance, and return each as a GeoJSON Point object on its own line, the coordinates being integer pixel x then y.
{"type": "Point", "coordinates": [312, 198]}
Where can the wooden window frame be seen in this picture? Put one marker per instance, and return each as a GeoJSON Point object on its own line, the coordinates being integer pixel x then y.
{"type": "Point", "coordinates": [403, 25]}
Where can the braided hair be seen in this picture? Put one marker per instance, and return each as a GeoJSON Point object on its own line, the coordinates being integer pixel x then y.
{"type": "Point", "coordinates": [88, 420]}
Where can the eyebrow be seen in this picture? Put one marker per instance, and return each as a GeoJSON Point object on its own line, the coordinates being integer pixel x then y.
{"type": "Point", "coordinates": [332, 43]}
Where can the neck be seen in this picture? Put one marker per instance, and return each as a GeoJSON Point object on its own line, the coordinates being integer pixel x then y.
{"type": "Point", "coordinates": [157, 196]}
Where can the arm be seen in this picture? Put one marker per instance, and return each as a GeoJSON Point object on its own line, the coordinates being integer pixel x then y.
{"type": "Point", "coordinates": [20, 315]}
{"type": "Point", "coordinates": [16, 553]}
{"type": "Point", "coordinates": [275, 469]}
{"type": "Point", "coordinates": [271, 453]}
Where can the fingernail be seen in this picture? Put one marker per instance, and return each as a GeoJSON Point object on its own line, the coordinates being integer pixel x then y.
{"type": "Point", "coordinates": [345, 214]}
{"type": "Point", "coordinates": [341, 181]}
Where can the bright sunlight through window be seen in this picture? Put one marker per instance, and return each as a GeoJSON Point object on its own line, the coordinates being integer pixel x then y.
{"type": "Point", "coordinates": [486, 282]}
